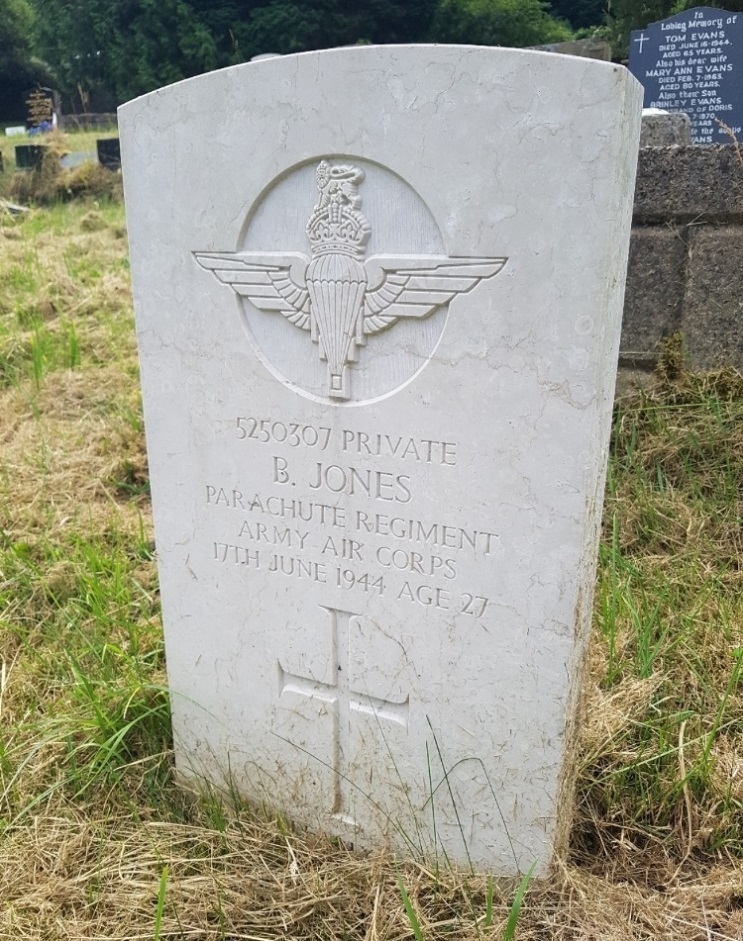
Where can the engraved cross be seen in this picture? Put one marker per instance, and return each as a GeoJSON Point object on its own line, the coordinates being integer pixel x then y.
{"type": "Point", "coordinates": [346, 702]}
{"type": "Point", "coordinates": [642, 38]}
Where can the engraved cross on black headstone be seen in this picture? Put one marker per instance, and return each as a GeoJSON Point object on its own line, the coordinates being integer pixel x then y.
{"type": "Point", "coordinates": [642, 39]}
{"type": "Point", "coordinates": [346, 702]}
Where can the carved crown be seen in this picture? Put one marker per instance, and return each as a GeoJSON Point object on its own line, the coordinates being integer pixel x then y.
{"type": "Point", "coordinates": [337, 224]}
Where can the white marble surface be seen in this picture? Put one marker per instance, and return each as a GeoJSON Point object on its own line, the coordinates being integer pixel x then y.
{"type": "Point", "coordinates": [376, 596]}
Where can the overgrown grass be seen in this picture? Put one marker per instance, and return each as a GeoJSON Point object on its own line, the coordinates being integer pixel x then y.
{"type": "Point", "coordinates": [96, 841]}
{"type": "Point", "coordinates": [50, 184]}
{"type": "Point", "coordinates": [663, 754]}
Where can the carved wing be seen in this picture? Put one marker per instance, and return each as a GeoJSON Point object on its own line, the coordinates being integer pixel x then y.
{"type": "Point", "coordinates": [272, 281]}
{"type": "Point", "coordinates": [411, 286]}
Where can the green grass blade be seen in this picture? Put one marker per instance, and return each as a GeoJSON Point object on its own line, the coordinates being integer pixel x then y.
{"type": "Point", "coordinates": [409, 910]}
{"type": "Point", "coordinates": [489, 904]}
{"type": "Point", "coordinates": [513, 915]}
{"type": "Point", "coordinates": [160, 903]}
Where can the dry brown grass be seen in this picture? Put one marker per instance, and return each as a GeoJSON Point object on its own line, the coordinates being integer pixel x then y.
{"type": "Point", "coordinates": [70, 453]}
{"type": "Point", "coordinates": [50, 183]}
{"type": "Point", "coordinates": [92, 825]}
{"type": "Point", "coordinates": [89, 878]}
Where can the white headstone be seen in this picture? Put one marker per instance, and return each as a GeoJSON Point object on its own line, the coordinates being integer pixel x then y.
{"type": "Point", "coordinates": [378, 295]}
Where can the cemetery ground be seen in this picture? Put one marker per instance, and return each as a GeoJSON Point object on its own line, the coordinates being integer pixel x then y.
{"type": "Point", "coordinates": [97, 842]}
{"type": "Point", "coordinates": [50, 185]}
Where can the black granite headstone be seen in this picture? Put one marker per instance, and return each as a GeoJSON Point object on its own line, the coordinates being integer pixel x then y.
{"type": "Point", "coordinates": [109, 153]}
{"type": "Point", "coordinates": [29, 156]}
{"type": "Point", "coordinates": [693, 62]}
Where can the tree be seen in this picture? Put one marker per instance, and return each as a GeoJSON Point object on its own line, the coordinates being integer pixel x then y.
{"type": "Point", "coordinates": [301, 25]}
{"type": "Point", "coordinates": [156, 43]}
{"type": "Point", "coordinates": [580, 13]}
{"type": "Point", "coordinates": [132, 46]}
{"type": "Point", "coordinates": [496, 23]}
{"type": "Point", "coordinates": [128, 46]}
{"type": "Point", "coordinates": [626, 15]}
{"type": "Point", "coordinates": [16, 23]}
{"type": "Point", "coordinates": [65, 36]}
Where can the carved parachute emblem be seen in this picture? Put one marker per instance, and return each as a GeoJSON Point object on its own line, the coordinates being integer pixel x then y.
{"type": "Point", "coordinates": [335, 295]}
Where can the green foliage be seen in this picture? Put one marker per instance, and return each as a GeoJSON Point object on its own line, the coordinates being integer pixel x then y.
{"type": "Point", "coordinates": [297, 26]}
{"type": "Point", "coordinates": [731, 5]}
{"type": "Point", "coordinates": [496, 23]}
{"type": "Point", "coordinates": [518, 901]}
{"type": "Point", "coordinates": [626, 15]}
{"type": "Point", "coordinates": [128, 46]}
{"type": "Point", "coordinates": [134, 46]}
{"type": "Point", "coordinates": [16, 19]}
{"type": "Point", "coordinates": [668, 609]}
{"type": "Point", "coordinates": [65, 37]}
{"type": "Point", "coordinates": [580, 13]}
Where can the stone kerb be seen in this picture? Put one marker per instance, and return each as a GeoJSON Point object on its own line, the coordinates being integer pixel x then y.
{"type": "Point", "coordinates": [684, 265]}
{"type": "Point", "coordinates": [665, 129]}
{"type": "Point", "coordinates": [697, 184]}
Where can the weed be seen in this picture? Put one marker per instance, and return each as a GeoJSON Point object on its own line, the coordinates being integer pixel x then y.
{"type": "Point", "coordinates": [160, 904]}
{"type": "Point", "coordinates": [409, 910]}
{"type": "Point", "coordinates": [515, 910]}
{"type": "Point", "coordinates": [50, 183]}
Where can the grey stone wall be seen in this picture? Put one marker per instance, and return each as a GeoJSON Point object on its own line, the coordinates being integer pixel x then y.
{"type": "Point", "coordinates": [686, 254]}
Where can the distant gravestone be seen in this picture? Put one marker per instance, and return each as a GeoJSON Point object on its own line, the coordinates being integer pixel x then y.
{"type": "Point", "coordinates": [693, 62]}
{"type": "Point", "coordinates": [378, 325]}
{"type": "Point", "coordinates": [664, 128]}
{"type": "Point", "coordinates": [77, 159]}
{"type": "Point", "coordinates": [590, 48]}
{"type": "Point", "coordinates": [109, 153]}
{"type": "Point", "coordinates": [29, 156]}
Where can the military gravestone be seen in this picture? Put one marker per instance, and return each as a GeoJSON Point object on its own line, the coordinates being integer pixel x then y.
{"type": "Point", "coordinates": [378, 332]}
{"type": "Point", "coordinates": [693, 63]}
